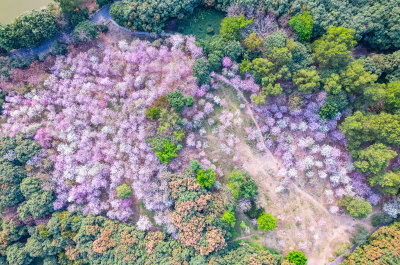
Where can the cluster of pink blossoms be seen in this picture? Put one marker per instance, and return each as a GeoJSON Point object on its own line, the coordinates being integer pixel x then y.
{"type": "Point", "coordinates": [89, 115]}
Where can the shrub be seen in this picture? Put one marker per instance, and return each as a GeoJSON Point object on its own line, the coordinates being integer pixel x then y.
{"type": "Point", "coordinates": [230, 27]}
{"type": "Point", "coordinates": [85, 31]}
{"type": "Point", "coordinates": [124, 191]}
{"type": "Point", "coordinates": [153, 113]}
{"type": "Point", "coordinates": [302, 25]}
{"type": "Point", "coordinates": [266, 222]}
{"type": "Point", "coordinates": [205, 178]}
{"type": "Point", "coordinates": [229, 217]}
{"type": "Point", "coordinates": [297, 257]}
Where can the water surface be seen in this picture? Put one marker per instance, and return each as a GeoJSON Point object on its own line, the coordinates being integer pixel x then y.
{"type": "Point", "coordinates": [10, 9]}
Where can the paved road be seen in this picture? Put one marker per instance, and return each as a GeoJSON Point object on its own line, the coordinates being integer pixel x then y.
{"type": "Point", "coordinates": [101, 16]}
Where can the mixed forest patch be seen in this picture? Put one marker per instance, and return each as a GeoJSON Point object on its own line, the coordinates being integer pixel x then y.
{"type": "Point", "coordinates": [261, 133]}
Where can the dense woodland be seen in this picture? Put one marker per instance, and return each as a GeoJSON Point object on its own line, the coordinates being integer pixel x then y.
{"type": "Point", "coordinates": [103, 148]}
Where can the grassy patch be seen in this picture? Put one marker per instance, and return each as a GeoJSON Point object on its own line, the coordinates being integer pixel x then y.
{"type": "Point", "coordinates": [203, 23]}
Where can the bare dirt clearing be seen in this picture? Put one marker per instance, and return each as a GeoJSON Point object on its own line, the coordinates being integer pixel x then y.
{"type": "Point", "coordinates": [304, 221]}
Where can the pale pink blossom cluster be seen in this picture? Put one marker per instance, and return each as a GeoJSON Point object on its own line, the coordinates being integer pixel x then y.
{"type": "Point", "coordinates": [89, 115]}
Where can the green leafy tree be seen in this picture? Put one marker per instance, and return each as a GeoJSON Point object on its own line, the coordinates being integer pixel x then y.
{"type": "Point", "coordinates": [389, 181]}
{"type": "Point", "coordinates": [26, 149]}
{"type": "Point", "coordinates": [303, 25]}
{"type": "Point", "coordinates": [273, 90]}
{"type": "Point", "coordinates": [381, 219]}
{"type": "Point", "coordinates": [85, 31]}
{"type": "Point", "coordinates": [392, 97]}
{"type": "Point", "coordinates": [195, 166]}
{"type": "Point", "coordinates": [10, 178]}
{"type": "Point", "coordinates": [277, 39]}
{"type": "Point", "coordinates": [215, 62]}
{"type": "Point", "coordinates": [356, 207]}
{"type": "Point", "coordinates": [332, 84]}
{"type": "Point", "coordinates": [205, 178]}
{"type": "Point", "coordinates": [266, 222]}
{"type": "Point", "coordinates": [384, 241]}
{"type": "Point", "coordinates": [232, 49]}
{"type": "Point", "coordinates": [241, 185]}
{"type": "Point", "coordinates": [328, 111]}
{"type": "Point", "coordinates": [68, 6]}
{"type": "Point", "coordinates": [297, 257]}
{"type": "Point", "coordinates": [176, 100]}
{"type": "Point", "coordinates": [124, 191]}
{"type": "Point", "coordinates": [382, 127]}
{"type": "Point", "coordinates": [153, 113]}
{"type": "Point", "coordinates": [201, 70]}
{"type": "Point", "coordinates": [355, 79]}
{"type": "Point", "coordinates": [306, 80]}
{"type": "Point", "coordinates": [30, 186]}
{"type": "Point", "coordinates": [29, 29]}
{"type": "Point", "coordinates": [259, 99]}
{"type": "Point", "coordinates": [333, 50]}
{"type": "Point", "coordinates": [245, 66]}
{"type": "Point", "coordinates": [102, 3]}
{"type": "Point", "coordinates": [230, 27]}
{"type": "Point", "coordinates": [360, 236]}
{"type": "Point", "coordinates": [262, 67]}
{"type": "Point", "coordinates": [253, 42]}
{"type": "Point", "coordinates": [374, 159]}
{"type": "Point", "coordinates": [229, 217]}
{"type": "Point", "coordinates": [37, 205]}
{"type": "Point", "coordinates": [189, 101]}
{"type": "Point", "coordinates": [373, 97]}
{"type": "Point", "coordinates": [168, 151]}
{"type": "Point", "coordinates": [17, 254]}
{"type": "Point", "coordinates": [280, 56]}
{"type": "Point", "coordinates": [120, 12]}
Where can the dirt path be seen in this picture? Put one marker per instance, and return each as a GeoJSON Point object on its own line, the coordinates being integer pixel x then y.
{"type": "Point", "coordinates": [304, 222]}
{"type": "Point", "coordinates": [310, 198]}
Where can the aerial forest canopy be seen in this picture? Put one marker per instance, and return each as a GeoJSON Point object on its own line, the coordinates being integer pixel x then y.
{"type": "Point", "coordinates": [196, 132]}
